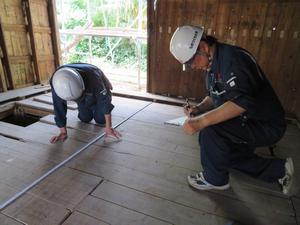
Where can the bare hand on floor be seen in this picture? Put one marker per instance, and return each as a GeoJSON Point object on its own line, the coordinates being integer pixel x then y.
{"type": "Point", "coordinates": [112, 133]}
{"type": "Point", "coordinates": [61, 137]}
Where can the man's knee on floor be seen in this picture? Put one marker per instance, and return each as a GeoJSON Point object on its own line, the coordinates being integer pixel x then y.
{"type": "Point", "coordinates": [85, 119]}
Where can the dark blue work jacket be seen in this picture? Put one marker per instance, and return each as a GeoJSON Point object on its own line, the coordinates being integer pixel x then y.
{"type": "Point", "coordinates": [235, 76]}
{"type": "Point", "coordinates": [96, 85]}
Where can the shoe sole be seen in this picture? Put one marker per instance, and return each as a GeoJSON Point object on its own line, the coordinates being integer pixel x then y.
{"type": "Point", "coordinates": [293, 187]}
{"type": "Point", "coordinates": [291, 167]}
{"type": "Point", "coordinates": [219, 188]}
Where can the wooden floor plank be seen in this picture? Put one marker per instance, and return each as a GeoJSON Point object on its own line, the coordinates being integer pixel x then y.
{"type": "Point", "coordinates": [76, 134]}
{"type": "Point", "coordinates": [31, 150]}
{"type": "Point", "coordinates": [66, 187]}
{"type": "Point", "coordinates": [124, 107]}
{"type": "Point", "coordinates": [159, 113]}
{"type": "Point", "coordinates": [19, 175]}
{"type": "Point", "coordinates": [6, 192]}
{"type": "Point", "coordinates": [115, 214]}
{"type": "Point", "coordinates": [30, 103]}
{"type": "Point", "coordinates": [158, 108]}
{"type": "Point", "coordinates": [48, 100]}
{"type": "Point", "coordinates": [74, 123]}
{"type": "Point", "coordinates": [153, 206]}
{"type": "Point", "coordinates": [154, 153]}
{"type": "Point", "coordinates": [5, 220]}
{"type": "Point", "coordinates": [59, 150]}
{"type": "Point", "coordinates": [22, 163]}
{"type": "Point", "coordinates": [78, 218]}
{"type": "Point", "coordinates": [159, 144]}
{"type": "Point", "coordinates": [23, 92]}
{"type": "Point", "coordinates": [160, 132]}
{"type": "Point", "coordinates": [36, 211]}
{"type": "Point", "coordinates": [296, 204]}
{"type": "Point", "coordinates": [178, 191]}
{"type": "Point", "coordinates": [144, 175]}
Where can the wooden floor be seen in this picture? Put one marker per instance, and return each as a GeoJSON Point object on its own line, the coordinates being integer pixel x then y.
{"type": "Point", "coordinates": [139, 180]}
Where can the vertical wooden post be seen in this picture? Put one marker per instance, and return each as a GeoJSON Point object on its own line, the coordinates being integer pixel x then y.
{"type": "Point", "coordinates": [5, 60]}
{"type": "Point", "coordinates": [150, 42]}
{"type": "Point", "coordinates": [54, 31]}
{"type": "Point", "coordinates": [32, 40]}
{"type": "Point", "coordinates": [2, 88]}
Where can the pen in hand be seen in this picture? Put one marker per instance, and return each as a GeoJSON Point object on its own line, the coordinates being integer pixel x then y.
{"type": "Point", "coordinates": [189, 108]}
{"type": "Point", "coordinates": [187, 104]}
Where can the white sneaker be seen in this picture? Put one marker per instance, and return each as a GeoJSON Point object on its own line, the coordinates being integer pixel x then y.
{"type": "Point", "coordinates": [197, 181]}
{"type": "Point", "coordinates": [287, 182]}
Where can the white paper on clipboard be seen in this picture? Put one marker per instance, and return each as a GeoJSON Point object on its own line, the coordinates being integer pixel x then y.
{"type": "Point", "coordinates": [177, 122]}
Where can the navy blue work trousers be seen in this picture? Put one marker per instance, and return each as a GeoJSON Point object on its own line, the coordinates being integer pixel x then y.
{"type": "Point", "coordinates": [231, 145]}
{"type": "Point", "coordinates": [92, 107]}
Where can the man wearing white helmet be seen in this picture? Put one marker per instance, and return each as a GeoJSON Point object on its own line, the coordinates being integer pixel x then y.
{"type": "Point", "coordinates": [89, 88]}
{"type": "Point", "coordinates": [240, 112]}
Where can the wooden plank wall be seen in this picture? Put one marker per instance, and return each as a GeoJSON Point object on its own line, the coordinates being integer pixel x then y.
{"type": "Point", "coordinates": [269, 29]}
{"type": "Point", "coordinates": [19, 71]}
{"type": "Point", "coordinates": [46, 60]}
{"type": "Point", "coordinates": [29, 51]}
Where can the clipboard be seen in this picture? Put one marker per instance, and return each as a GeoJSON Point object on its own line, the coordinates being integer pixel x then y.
{"type": "Point", "coordinates": [177, 121]}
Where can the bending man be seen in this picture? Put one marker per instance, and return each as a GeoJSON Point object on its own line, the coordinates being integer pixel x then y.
{"type": "Point", "coordinates": [90, 89]}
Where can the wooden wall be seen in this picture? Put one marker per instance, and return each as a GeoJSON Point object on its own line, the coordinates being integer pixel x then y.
{"type": "Point", "coordinates": [269, 29]}
{"type": "Point", "coordinates": [28, 37]}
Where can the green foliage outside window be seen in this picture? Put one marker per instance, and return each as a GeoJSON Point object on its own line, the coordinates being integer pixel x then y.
{"type": "Point", "coordinates": [104, 13]}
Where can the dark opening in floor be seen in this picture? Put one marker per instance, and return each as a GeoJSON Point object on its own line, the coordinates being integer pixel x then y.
{"type": "Point", "coordinates": [21, 120]}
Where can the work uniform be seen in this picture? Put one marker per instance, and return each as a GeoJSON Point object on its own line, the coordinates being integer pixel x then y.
{"type": "Point", "coordinates": [95, 101]}
{"type": "Point", "coordinates": [235, 76]}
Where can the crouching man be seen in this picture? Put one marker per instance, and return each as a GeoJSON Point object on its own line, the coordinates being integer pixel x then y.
{"type": "Point", "coordinates": [87, 85]}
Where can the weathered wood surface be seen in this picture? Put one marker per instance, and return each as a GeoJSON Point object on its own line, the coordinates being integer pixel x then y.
{"type": "Point", "coordinates": [48, 100]}
{"type": "Point", "coordinates": [168, 181]}
{"type": "Point", "coordinates": [36, 211]}
{"type": "Point", "coordinates": [30, 55]}
{"type": "Point", "coordinates": [23, 92]}
{"type": "Point", "coordinates": [115, 214]}
{"type": "Point", "coordinates": [138, 180]}
{"type": "Point", "coordinates": [78, 218]}
{"type": "Point", "coordinates": [5, 220]}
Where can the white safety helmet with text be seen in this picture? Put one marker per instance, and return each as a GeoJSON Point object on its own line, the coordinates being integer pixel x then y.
{"type": "Point", "coordinates": [185, 41]}
{"type": "Point", "coordinates": [68, 84]}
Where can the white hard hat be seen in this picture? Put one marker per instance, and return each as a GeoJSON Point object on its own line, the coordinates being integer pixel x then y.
{"type": "Point", "coordinates": [185, 41]}
{"type": "Point", "coordinates": [68, 84]}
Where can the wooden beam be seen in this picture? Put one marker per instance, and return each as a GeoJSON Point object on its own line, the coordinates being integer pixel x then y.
{"type": "Point", "coordinates": [54, 31]}
{"type": "Point", "coordinates": [20, 58]}
{"type": "Point", "coordinates": [2, 77]}
{"type": "Point", "coordinates": [5, 60]}
{"type": "Point", "coordinates": [32, 39]}
{"type": "Point", "coordinates": [151, 10]}
{"type": "Point", "coordinates": [42, 30]}
{"type": "Point", "coordinates": [14, 27]}
{"type": "Point", "coordinates": [111, 32]}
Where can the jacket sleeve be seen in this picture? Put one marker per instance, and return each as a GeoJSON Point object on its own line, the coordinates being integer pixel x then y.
{"type": "Point", "coordinates": [245, 81]}
{"type": "Point", "coordinates": [104, 101]}
{"type": "Point", "coordinates": [106, 82]}
{"type": "Point", "coordinates": [60, 109]}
